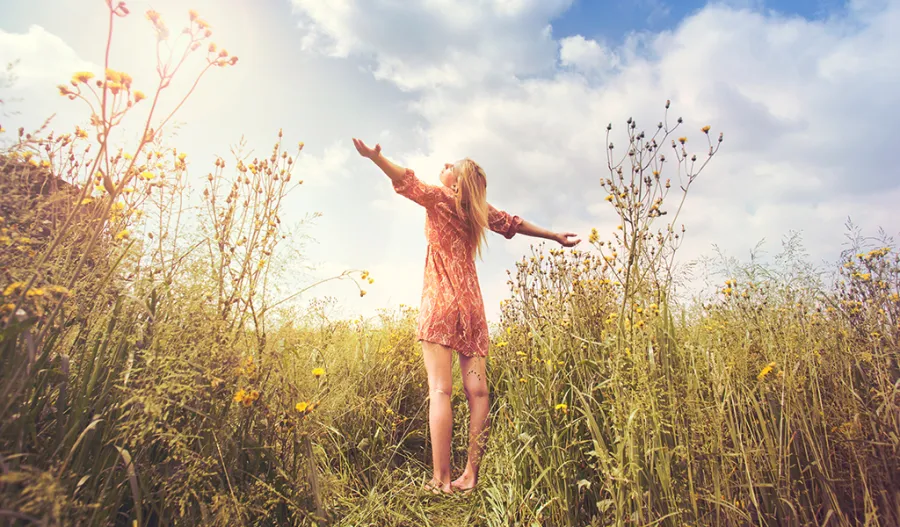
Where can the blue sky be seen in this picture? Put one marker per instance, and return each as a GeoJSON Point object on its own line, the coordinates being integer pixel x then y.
{"type": "Point", "coordinates": [805, 92]}
{"type": "Point", "coordinates": [612, 21]}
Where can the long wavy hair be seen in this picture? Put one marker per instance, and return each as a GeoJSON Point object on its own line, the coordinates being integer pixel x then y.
{"type": "Point", "coordinates": [471, 202]}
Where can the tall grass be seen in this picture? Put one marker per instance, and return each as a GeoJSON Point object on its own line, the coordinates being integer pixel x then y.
{"type": "Point", "coordinates": [150, 374]}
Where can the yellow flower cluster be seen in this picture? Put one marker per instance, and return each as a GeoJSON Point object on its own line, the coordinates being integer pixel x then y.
{"type": "Point", "coordinates": [305, 407]}
{"type": "Point", "coordinates": [246, 398]}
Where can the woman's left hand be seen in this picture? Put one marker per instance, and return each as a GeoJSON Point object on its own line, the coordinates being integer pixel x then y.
{"type": "Point", "coordinates": [563, 239]}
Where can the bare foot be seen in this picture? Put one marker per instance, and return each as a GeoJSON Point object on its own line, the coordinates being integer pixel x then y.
{"type": "Point", "coordinates": [464, 482]}
{"type": "Point", "coordinates": [436, 487]}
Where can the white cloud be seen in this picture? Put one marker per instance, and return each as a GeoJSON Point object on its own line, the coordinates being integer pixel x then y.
{"type": "Point", "coordinates": [44, 59]}
{"type": "Point", "coordinates": [585, 55]}
{"type": "Point", "coordinates": [429, 44]}
{"type": "Point", "coordinates": [329, 169]}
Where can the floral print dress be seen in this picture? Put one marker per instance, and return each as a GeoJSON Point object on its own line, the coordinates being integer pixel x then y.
{"type": "Point", "coordinates": [452, 309]}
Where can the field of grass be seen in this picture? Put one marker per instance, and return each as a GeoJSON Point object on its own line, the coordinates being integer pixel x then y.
{"type": "Point", "coordinates": [152, 373]}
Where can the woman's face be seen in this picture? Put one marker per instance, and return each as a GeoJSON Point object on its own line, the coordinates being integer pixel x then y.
{"type": "Point", "coordinates": [448, 175]}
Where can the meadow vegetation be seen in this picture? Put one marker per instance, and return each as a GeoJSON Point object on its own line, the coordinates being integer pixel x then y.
{"type": "Point", "coordinates": [153, 372]}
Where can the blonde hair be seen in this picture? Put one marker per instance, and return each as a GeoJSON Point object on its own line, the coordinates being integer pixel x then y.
{"type": "Point", "coordinates": [471, 201]}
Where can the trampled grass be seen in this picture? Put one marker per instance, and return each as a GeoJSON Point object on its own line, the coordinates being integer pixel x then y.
{"type": "Point", "coordinates": [151, 376]}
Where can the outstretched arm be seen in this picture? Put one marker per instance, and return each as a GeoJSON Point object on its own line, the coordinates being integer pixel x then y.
{"type": "Point", "coordinates": [393, 171]}
{"type": "Point", "coordinates": [403, 179]}
{"type": "Point", "coordinates": [503, 223]}
{"type": "Point", "coordinates": [529, 229]}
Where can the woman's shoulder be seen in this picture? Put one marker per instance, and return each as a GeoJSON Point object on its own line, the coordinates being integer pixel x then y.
{"type": "Point", "coordinates": [445, 205]}
{"type": "Point", "coordinates": [446, 195]}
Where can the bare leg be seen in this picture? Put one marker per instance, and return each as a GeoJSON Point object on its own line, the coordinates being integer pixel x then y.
{"type": "Point", "coordinates": [476, 388]}
{"type": "Point", "coordinates": [438, 364]}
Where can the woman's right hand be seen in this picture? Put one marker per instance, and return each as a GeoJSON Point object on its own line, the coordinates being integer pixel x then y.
{"type": "Point", "coordinates": [364, 150]}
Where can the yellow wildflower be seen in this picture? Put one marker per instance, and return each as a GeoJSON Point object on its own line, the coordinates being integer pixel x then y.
{"type": "Point", "coordinates": [13, 288]}
{"type": "Point", "coordinates": [318, 372]}
{"type": "Point", "coordinates": [122, 234]}
{"type": "Point", "coordinates": [113, 75]}
{"type": "Point", "coordinates": [705, 129]}
{"type": "Point", "coordinates": [682, 140]}
{"type": "Point", "coordinates": [302, 406]}
{"type": "Point", "coordinates": [152, 16]}
{"type": "Point", "coordinates": [147, 175]}
{"type": "Point", "coordinates": [765, 371]}
{"type": "Point", "coordinates": [240, 395]}
{"type": "Point", "coordinates": [83, 76]}
{"type": "Point", "coordinates": [139, 96]}
{"type": "Point", "coordinates": [563, 407]}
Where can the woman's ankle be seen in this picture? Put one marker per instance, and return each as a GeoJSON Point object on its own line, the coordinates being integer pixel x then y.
{"type": "Point", "coordinates": [442, 479]}
{"type": "Point", "coordinates": [469, 474]}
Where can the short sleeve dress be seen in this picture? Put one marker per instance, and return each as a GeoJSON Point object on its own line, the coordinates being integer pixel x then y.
{"type": "Point", "coordinates": [452, 309]}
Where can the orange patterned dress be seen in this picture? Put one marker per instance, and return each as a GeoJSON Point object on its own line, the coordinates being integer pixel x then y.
{"type": "Point", "coordinates": [452, 309]}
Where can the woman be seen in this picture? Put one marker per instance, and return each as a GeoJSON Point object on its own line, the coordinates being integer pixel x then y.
{"type": "Point", "coordinates": [451, 314]}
